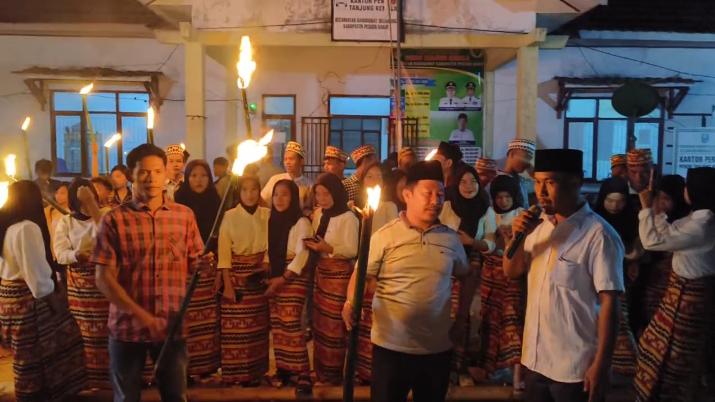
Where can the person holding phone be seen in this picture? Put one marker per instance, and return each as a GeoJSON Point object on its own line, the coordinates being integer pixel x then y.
{"type": "Point", "coordinates": [334, 250]}
{"type": "Point", "coordinates": [245, 319]}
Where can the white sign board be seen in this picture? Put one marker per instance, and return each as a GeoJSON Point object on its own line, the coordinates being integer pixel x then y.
{"type": "Point", "coordinates": [694, 147]}
{"type": "Point", "coordinates": [365, 20]}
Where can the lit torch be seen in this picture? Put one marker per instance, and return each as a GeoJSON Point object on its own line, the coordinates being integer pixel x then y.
{"type": "Point", "coordinates": [245, 67]}
{"type": "Point", "coordinates": [4, 190]}
{"type": "Point", "coordinates": [11, 172]}
{"type": "Point", "coordinates": [88, 124]}
{"type": "Point", "coordinates": [107, 146]}
{"type": "Point", "coordinates": [248, 151]}
{"type": "Point", "coordinates": [373, 202]}
{"type": "Point", "coordinates": [150, 124]}
{"type": "Point", "coordinates": [431, 154]}
{"type": "Point", "coordinates": [23, 129]}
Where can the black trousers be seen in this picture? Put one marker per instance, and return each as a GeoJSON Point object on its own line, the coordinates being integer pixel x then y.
{"type": "Point", "coordinates": [394, 374]}
{"type": "Point", "coordinates": [543, 389]}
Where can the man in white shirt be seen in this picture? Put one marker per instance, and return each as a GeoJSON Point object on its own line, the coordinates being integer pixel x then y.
{"type": "Point", "coordinates": [573, 260]}
{"type": "Point", "coordinates": [293, 162]}
{"type": "Point", "coordinates": [176, 157]}
{"type": "Point", "coordinates": [519, 156]}
{"type": "Point", "coordinates": [472, 101]}
{"type": "Point", "coordinates": [450, 102]}
{"type": "Point", "coordinates": [462, 135]}
{"type": "Point", "coordinates": [410, 265]}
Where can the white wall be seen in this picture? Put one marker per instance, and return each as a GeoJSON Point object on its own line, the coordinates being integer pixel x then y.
{"type": "Point", "coordinates": [584, 62]}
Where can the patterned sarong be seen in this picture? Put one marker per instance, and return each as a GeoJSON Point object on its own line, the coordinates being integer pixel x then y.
{"type": "Point", "coordinates": [656, 282]}
{"type": "Point", "coordinates": [364, 357]}
{"type": "Point", "coordinates": [502, 317]}
{"type": "Point", "coordinates": [624, 351]}
{"type": "Point", "coordinates": [672, 348]}
{"type": "Point", "coordinates": [203, 341]}
{"type": "Point", "coordinates": [289, 340]}
{"type": "Point", "coordinates": [331, 282]}
{"type": "Point", "coordinates": [90, 308]}
{"type": "Point", "coordinates": [48, 358]}
{"type": "Point", "coordinates": [245, 324]}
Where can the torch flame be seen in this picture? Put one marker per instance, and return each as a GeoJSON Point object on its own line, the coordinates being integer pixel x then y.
{"type": "Point", "coordinates": [431, 154]}
{"type": "Point", "coordinates": [25, 124]}
{"type": "Point", "coordinates": [246, 65]}
{"type": "Point", "coordinates": [250, 151]}
{"type": "Point", "coordinates": [373, 197]}
{"type": "Point", "coordinates": [112, 140]}
{"type": "Point", "coordinates": [86, 89]}
{"type": "Point", "coordinates": [10, 168]}
{"type": "Point", "coordinates": [183, 146]}
{"type": "Point", "coordinates": [4, 192]}
{"type": "Point", "coordinates": [150, 118]}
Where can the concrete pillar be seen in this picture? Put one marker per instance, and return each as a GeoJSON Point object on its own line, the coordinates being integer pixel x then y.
{"type": "Point", "coordinates": [194, 105]}
{"type": "Point", "coordinates": [488, 113]}
{"type": "Point", "coordinates": [527, 86]}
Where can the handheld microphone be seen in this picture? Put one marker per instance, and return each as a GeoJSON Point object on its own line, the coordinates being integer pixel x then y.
{"type": "Point", "coordinates": [519, 237]}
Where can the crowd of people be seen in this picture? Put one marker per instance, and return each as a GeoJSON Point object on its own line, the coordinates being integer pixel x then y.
{"type": "Point", "coordinates": [467, 281]}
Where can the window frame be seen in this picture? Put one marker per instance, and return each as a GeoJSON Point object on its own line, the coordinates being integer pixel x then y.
{"type": "Point", "coordinates": [84, 151]}
{"type": "Point", "coordinates": [630, 123]}
{"type": "Point", "coordinates": [271, 116]}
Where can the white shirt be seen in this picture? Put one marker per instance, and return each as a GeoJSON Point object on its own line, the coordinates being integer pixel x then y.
{"type": "Point", "coordinates": [458, 135]}
{"type": "Point", "coordinates": [570, 264]}
{"type": "Point", "coordinates": [450, 103]}
{"type": "Point", "coordinates": [242, 234]}
{"type": "Point", "coordinates": [304, 186]}
{"type": "Point", "coordinates": [486, 227]}
{"type": "Point", "coordinates": [73, 236]}
{"type": "Point", "coordinates": [296, 248]}
{"type": "Point", "coordinates": [472, 102]}
{"type": "Point", "coordinates": [491, 221]}
{"type": "Point", "coordinates": [23, 257]}
{"type": "Point", "coordinates": [691, 239]}
{"type": "Point", "coordinates": [412, 302]}
{"type": "Point", "coordinates": [342, 234]}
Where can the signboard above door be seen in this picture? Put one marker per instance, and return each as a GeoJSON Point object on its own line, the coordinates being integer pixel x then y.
{"type": "Point", "coordinates": [366, 20]}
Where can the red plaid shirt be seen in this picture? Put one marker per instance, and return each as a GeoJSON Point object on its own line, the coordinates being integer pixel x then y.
{"type": "Point", "coordinates": [153, 253]}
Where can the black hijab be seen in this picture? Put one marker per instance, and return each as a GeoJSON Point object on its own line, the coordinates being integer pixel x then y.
{"type": "Point", "coordinates": [470, 210]}
{"type": "Point", "coordinates": [701, 188]}
{"type": "Point", "coordinates": [674, 186]}
{"type": "Point", "coordinates": [75, 204]}
{"type": "Point", "coordinates": [504, 183]}
{"type": "Point", "coordinates": [205, 205]}
{"type": "Point", "coordinates": [397, 175]}
{"type": "Point", "coordinates": [25, 203]}
{"type": "Point", "coordinates": [340, 200]}
{"type": "Point", "coordinates": [626, 221]}
{"type": "Point", "coordinates": [279, 226]}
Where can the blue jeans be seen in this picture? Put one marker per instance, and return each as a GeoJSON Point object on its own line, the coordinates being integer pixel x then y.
{"type": "Point", "coordinates": [127, 364]}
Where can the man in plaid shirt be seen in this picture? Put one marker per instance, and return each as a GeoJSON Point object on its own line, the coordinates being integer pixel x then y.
{"type": "Point", "coordinates": [144, 252]}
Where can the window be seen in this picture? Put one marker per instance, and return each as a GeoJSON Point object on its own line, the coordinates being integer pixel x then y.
{"type": "Point", "coordinates": [109, 113]}
{"type": "Point", "coordinates": [279, 114]}
{"type": "Point", "coordinates": [358, 120]}
{"type": "Point", "coordinates": [594, 127]}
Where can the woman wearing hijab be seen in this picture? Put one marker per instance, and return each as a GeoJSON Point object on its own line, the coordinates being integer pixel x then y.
{"type": "Point", "coordinates": [673, 348]}
{"type": "Point", "coordinates": [371, 176]}
{"type": "Point", "coordinates": [502, 299]}
{"type": "Point", "coordinates": [288, 285]}
{"type": "Point", "coordinates": [334, 249]}
{"type": "Point", "coordinates": [463, 209]}
{"type": "Point", "coordinates": [202, 344]}
{"type": "Point", "coordinates": [245, 317]}
{"type": "Point", "coordinates": [615, 207]}
{"type": "Point", "coordinates": [75, 238]}
{"type": "Point", "coordinates": [397, 184]}
{"type": "Point", "coordinates": [35, 323]}
{"type": "Point", "coordinates": [670, 197]}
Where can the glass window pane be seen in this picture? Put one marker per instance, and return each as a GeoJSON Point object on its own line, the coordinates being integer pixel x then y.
{"type": "Point", "coordinates": [282, 129]}
{"type": "Point", "coordinates": [647, 137]}
{"type": "Point", "coordinates": [334, 139]}
{"type": "Point", "coordinates": [581, 137]}
{"type": "Point", "coordinates": [606, 110]}
{"type": "Point", "coordinates": [102, 102]}
{"type": "Point", "coordinates": [68, 144]}
{"type": "Point", "coordinates": [352, 124]}
{"type": "Point", "coordinates": [655, 114]}
{"type": "Point", "coordinates": [67, 101]}
{"type": "Point", "coordinates": [372, 138]}
{"type": "Point", "coordinates": [133, 102]}
{"type": "Point", "coordinates": [104, 126]}
{"type": "Point", "coordinates": [133, 134]}
{"type": "Point", "coordinates": [581, 108]}
{"type": "Point", "coordinates": [278, 105]}
{"type": "Point", "coordinates": [359, 106]}
{"type": "Point", "coordinates": [611, 140]}
{"type": "Point", "coordinates": [371, 124]}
